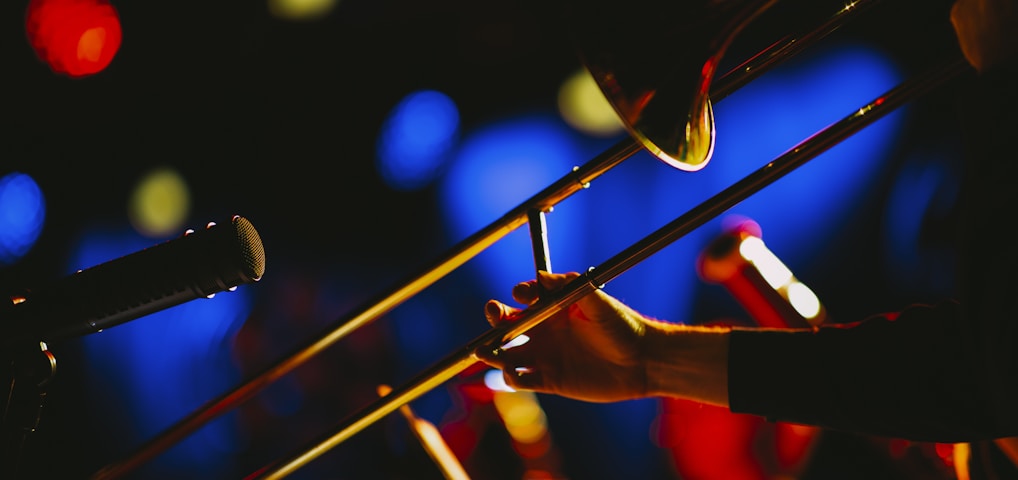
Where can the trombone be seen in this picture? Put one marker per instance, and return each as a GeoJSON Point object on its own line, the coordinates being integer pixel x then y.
{"type": "Point", "coordinates": [675, 125]}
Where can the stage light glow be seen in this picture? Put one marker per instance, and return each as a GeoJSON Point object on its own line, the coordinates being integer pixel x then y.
{"type": "Point", "coordinates": [495, 380]}
{"type": "Point", "coordinates": [160, 203]}
{"type": "Point", "coordinates": [773, 271]}
{"type": "Point", "coordinates": [416, 139]}
{"type": "Point", "coordinates": [301, 10]}
{"type": "Point", "coordinates": [585, 108]}
{"type": "Point", "coordinates": [777, 275]}
{"type": "Point", "coordinates": [803, 300]}
{"type": "Point", "coordinates": [960, 454]}
{"type": "Point", "coordinates": [523, 417]}
{"type": "Point", "coordinates": [76, 38]}
{"type": "Point", "coordinates": [22, 214]}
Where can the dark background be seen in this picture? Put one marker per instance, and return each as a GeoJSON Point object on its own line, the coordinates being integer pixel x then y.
{"type": "Point", "coordinates": [223, 91]}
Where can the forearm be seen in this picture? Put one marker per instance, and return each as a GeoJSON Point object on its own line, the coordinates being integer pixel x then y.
{"type": "Point", "coordinates": [688, 362]}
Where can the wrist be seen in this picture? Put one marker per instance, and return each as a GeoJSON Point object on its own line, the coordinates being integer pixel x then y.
{"type": "Point", "coordinates": [688, 362]}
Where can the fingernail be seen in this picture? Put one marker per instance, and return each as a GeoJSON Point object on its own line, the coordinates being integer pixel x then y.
{"type": "Point", "coordinates": [493, 311]}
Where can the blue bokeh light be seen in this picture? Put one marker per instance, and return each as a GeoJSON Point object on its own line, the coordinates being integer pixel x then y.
{"type": "Point", "coordinates": [416, 138]}
{"type": "Point", "coordinates": [22, 215]}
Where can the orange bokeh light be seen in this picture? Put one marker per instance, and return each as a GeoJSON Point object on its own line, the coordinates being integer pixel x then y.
{"type": "Point", "coordinates": [76, 38]}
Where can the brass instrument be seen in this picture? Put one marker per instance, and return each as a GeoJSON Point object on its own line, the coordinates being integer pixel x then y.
{"type": "Point", "coordinates": [667, 112]}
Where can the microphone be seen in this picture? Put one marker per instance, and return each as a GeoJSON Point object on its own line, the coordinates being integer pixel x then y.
{"type": "Point", "coordinates": [198, 264]}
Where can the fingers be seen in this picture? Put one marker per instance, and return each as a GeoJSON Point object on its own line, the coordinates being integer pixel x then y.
{"type": "Point", "coordinates": [512, 360]}
{"type": "Point", "coordinates": [524, 379]}
{"type": "Point", "coordinates": [497, 313]}
{"type": "Point", "coordinates": [510, 354]}
{"type": "Point", "coordinates": [529, 292]}
{"type": "Point", "coordinates": [494, 312]}
{"type": "Point", "coordinates": [508, 360]}
{"type": "Point", "coordinates": [493, 355]}
{"type": "Point", "coordinates": [526, 292]}
{"type": "Point", "coordinates": [985, 31]}
{"type": "Point", "coordinates": [516, 375]}
{"type": "Point", "coordinates": [497, 356]}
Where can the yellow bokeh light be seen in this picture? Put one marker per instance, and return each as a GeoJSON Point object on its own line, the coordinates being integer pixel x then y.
{"type": "Point", "coordinates": [301, 9]}
{"type": "Point", "coordinates": [523, 417]}
{"type": "Point", "coordinates": [160, 203]}
{"type": "Point", "coordinates": [585, 108]}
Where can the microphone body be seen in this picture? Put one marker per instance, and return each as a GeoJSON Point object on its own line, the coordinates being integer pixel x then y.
{"type": "Point", "coordinates": [198, 264]}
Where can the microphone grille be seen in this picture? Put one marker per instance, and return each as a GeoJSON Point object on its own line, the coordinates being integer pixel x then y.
{"type": "Point", "coordinates": [252, 251]}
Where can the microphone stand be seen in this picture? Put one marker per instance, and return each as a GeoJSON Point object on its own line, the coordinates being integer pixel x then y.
{"type": "Point", "coordinates": [31, 368]}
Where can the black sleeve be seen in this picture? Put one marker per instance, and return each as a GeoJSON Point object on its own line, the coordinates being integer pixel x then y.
{"type": "Point", "coordinates": [918, 376]}
{"type": "Point", "coordinates": [945, 373]}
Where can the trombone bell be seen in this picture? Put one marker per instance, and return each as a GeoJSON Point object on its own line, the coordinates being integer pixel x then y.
{"type": "Point", "coordinates": [656, 68]}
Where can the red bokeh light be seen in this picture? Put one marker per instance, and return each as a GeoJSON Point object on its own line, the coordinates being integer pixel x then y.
{"type": "Point", "coordinates": [74, 37]}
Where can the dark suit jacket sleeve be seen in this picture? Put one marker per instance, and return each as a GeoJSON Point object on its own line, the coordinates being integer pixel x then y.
{"type": "Point", "coordinates": [945, 372]}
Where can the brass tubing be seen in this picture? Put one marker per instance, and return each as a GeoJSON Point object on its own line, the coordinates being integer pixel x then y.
{"type": "Point", "coordinates": [640, 251]}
